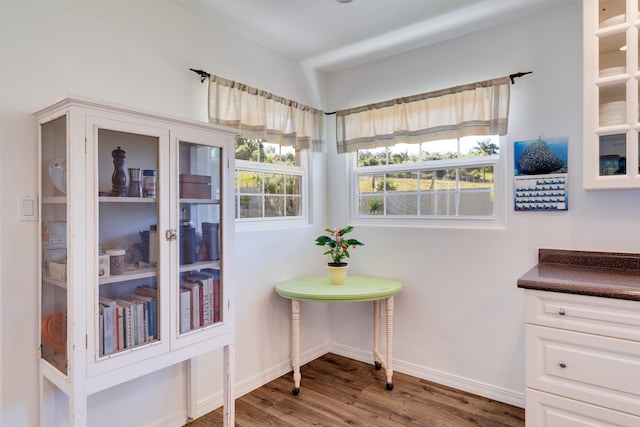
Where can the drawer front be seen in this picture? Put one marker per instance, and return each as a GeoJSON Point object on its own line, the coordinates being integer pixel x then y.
{"type": "Point", "coordinates": [594, 369]}
{"type": "Point", "coordinates": [548, 410]}
{"type": "Point", "coordinates": [603, 316]}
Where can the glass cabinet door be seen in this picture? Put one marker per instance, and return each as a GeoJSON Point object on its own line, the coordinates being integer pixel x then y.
{"type": "Point", "coordinates": [128, 255]}
{"type": "Point", "coordinates": [54, 298]}
{"type": "Point", "coordinates": [199, 187]}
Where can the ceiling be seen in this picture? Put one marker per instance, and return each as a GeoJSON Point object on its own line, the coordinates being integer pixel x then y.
{"type": "Point", "coordinates": [327, 35]}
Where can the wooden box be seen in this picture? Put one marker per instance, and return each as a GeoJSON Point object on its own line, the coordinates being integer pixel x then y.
{"type": "Point", "coordinates": [195, 186]}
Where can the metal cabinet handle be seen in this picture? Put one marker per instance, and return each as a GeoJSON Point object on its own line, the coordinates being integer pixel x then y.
{"type": "Point", "coordinates": [562, 364]}
{"type": "Point", "coordinates": [171, 234]}
{"type": "Point", "coordinates": [561, 312]}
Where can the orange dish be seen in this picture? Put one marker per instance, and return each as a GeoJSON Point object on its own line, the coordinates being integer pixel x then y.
{"type": "Point", "coordinates": [54, 331]}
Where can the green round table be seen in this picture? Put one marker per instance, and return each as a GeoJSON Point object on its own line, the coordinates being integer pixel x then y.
{"type": "Point", "coordinates": [355, 289]}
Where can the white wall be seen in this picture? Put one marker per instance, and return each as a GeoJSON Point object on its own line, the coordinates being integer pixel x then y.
{"type": "Point", "coordinates": [459, 318]}
{"type": "Point", "coordinates": [135, 53]}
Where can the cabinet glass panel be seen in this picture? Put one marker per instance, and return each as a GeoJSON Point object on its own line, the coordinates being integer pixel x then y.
{"type": "Point", "coordinates": [612, 55]}
{"type": "Point", "coordinates": [200, 292]}
{"type": "Point", "coordinates": [613, 159]}
{"type": "Point", "coordinates": [127, 240]}
{"type": "Point", "coordinates": [54, 243]}
{"type": "Point", "coordinates": [612, 106]}
{"type": "Point", "coordinates": [611, 12]}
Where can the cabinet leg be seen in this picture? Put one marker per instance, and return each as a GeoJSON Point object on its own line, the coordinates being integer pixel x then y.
{"type": "Point", "coordinates": [228, 396]}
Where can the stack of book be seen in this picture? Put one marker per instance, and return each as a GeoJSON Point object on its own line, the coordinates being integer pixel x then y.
{"type": "Point", "coordinates": [129, 321]}
{"type": "Point", "coordinates": [199, 299]}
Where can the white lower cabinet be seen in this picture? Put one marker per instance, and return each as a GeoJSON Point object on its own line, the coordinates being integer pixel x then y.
{"type": "Point", "coordinates": [583, 360]}
{"type": "Point", "coordinates": [545, 409]}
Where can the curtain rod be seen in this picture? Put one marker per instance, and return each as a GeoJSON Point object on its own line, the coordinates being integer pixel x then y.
{"type": "Point", "coordinates": [511, 76]}
{"type": "Point", "coordinates": [204, 76]}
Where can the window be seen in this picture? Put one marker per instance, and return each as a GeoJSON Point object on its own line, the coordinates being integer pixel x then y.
{"type": "Point", "coordinates": [447, 179]}
{"type": "Point", "coordinates": [269, 181]}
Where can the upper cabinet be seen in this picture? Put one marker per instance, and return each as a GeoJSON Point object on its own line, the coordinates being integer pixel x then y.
{"type": "Point", "coordinates": [137, 232]}
{"type": "Point", "coordinates": [611, 94]}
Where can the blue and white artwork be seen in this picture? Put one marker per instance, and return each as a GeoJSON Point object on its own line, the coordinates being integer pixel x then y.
{"type": "Point", "coordinates": [541, 156]}
{"type": "Point", "coordinates": [540, 174]}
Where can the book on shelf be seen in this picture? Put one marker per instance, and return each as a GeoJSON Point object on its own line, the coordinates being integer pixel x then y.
{"type": "Point", "coordinates": [185, 310]}
{"type": "Point", "coordinates": [101, 333]}
{"type": "Point", "coordinates": [206, 282]}
{"type": "Point", "coordinates": [108, 337]}
{"type": "Point", "coordinates": [120, 328]}
{"type": "Point", "coordinates": [217, 293]}
{"type": "Point", "coordinates": [196, 301]}
{"type": "Point", "coordinates": [150, 292]}
{"type": "Point", "coordinates": [150, 306]}
{"type": "Point", "coordinates": [128, 322]}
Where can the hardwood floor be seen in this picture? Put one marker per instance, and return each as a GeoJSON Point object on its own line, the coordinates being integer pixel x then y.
{"type": "Point", "coordinates": [337, 391]}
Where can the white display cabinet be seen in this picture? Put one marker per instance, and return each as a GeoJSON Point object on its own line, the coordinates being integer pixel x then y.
{"type": "Point", "coordinates": [136, 253]}
{"type": "Point", "coordinates": [611, 94]}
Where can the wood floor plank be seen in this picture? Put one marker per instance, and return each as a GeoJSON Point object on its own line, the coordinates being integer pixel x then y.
{"type": "Point", "coordinates": [337, 391]}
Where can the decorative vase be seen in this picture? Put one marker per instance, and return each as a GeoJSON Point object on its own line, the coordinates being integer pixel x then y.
{"type": "Point", "coordinates": [337, 273]}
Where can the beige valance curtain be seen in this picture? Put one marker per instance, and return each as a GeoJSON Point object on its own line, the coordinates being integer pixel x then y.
{"type": "Point", "coordinates": [480, 108]}
{"type": "Point", "coordinates": [262, 115]}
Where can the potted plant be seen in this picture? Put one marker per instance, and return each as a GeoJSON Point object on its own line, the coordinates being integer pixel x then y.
{"type": "Point", "coordinates": [338, 249]}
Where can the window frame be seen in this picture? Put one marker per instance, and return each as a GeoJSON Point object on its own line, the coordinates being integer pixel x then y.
{"type": "Point", "coordinates": [270, 223]}
{"type": "Point", "coordinates": [497, 220]}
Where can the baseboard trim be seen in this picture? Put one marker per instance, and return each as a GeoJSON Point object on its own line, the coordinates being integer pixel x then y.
{"type": "Point", "coordinates": [215, 401]}
{"type": "Point", "coordinates": [465, 384]}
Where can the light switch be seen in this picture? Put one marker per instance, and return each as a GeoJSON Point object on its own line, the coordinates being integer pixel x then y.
{"type": "Point", "coordinates": [28, 208]}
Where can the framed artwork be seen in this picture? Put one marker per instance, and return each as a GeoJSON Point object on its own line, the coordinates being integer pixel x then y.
{"type": "Point", "coordinates": [541, 174]}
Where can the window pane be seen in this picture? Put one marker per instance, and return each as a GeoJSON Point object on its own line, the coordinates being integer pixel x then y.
{"type": "Point", "coordinates": [293, 184]}
{"type": "Point", "coordinates": [273, 183]}
{"type": "Point", "coordinates": [273, 206]}
{"type": "Point", "coordinates": [279, 154]}
{"type": "Point", "coordinates": [293, 206]}
{"type": "Point", "coordinates": [438, 203]}
{"type": "Point", "coordinates": [404, 153]}
{"type": "Point", "coordinates": [249, 182]}
{"type": "Point", "coordinates": [377, 156]}
{"type": "Point", "coordinates": [370, 183]}
{"type": "Point", "coordinates": [371, 204]}
{"type": "Point", "coordinates": [250, 207]}
{"type": "Point", "coordinates": [439, 150]}
{"type": "Point", "coordinates": [438, 180]}
{"type": "Point", "coordinates": [476, 178]}
{"type": "Point", "coordinates": [476, 203]}
{"type": "Point", "coordinates": [402, 203]}
{"type": "Point", "coordinates": [479, 146]}
{"type": "Point", "coordinates": [249, 149]}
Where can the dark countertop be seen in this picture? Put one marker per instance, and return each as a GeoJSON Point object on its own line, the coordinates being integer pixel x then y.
{"type": "Point", "coordinates": [600, 274]}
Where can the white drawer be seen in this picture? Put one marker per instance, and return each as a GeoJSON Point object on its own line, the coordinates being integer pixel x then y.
{"type": "Point", "coordinates": [548, 410]}
{"type": "Point", "coordinates": [604, 316]}
{"type": "Point", "coordinates": [595, 369]}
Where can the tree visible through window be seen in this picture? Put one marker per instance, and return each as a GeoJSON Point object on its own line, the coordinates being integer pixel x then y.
{"type": "Point", "coordinates": [269, 180]}
{"type": "Point", "coordinates": [450, 179]}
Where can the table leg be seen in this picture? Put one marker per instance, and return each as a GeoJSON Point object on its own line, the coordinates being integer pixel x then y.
{"type": "Point", "coordinates": [377, 358]}
{"type": "Point", "coordinates": [295, 345]}
{"type": "Point", "coordinates": [389, 367]}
